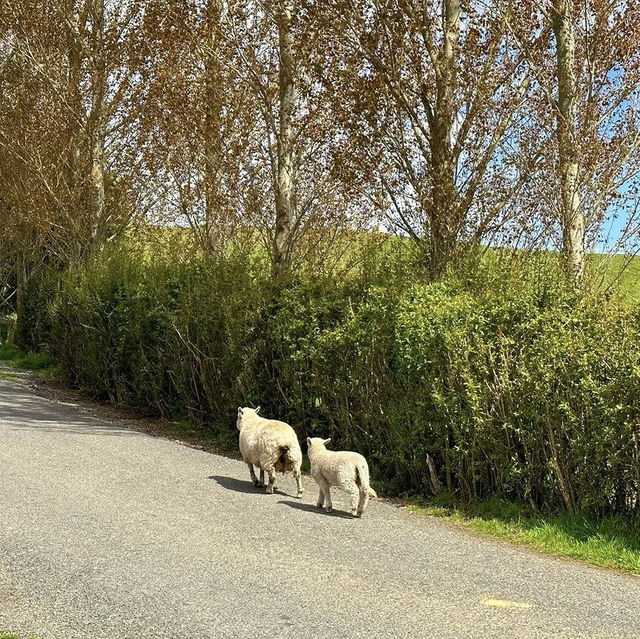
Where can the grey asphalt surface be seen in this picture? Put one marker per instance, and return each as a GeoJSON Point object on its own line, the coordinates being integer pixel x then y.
{"type": "Point", "coordinates": [106, 533]}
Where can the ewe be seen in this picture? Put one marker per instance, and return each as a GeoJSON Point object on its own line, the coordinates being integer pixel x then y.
{"type": "Point", "coordinates": [270, 445]}
{"type": "Point", "coordinates": [344, 469]}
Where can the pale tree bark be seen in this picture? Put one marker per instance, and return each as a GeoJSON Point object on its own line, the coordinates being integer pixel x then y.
{"type": "Point", "coordinates": [75, 119]}
{"type": "Point", "coordinates": [214, 204]}
{"type": "Point", "coordinates": [444, 196]}
{"type": "Point", "coordinates": [284, 196]}
{"type": "Point", "coordinates": [436, 130]}
{"type": "Point", "coordinates": [572, 216]}
{"type": "Point", "coordinates": [86, 59]}
{"type": "Point", "coordinates": [21, 273]}
{"type": "Point", "coordinates": [97, 222]}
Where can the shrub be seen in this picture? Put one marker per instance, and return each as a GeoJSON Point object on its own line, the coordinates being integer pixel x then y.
{"type": "Point", "coordinates": [521, 390]}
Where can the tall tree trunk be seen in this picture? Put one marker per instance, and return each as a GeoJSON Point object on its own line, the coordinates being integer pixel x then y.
{"type": "Point", "coordinates": [285, 174]}
{"type": "Point", "coordinates": [21, 277]}
{"type": "Point", "coordinates": [74, 130]}
{"type": "Point", "coordinates": [21, 293]}
{"type": "Point", "coordinates": [443, 225]}
{"type": "Point", "coordinates": [213, 134]}
{"type": "Point", "coordinates": [97, 222]}
{"type": "Point", "coordinates": [573, 222]}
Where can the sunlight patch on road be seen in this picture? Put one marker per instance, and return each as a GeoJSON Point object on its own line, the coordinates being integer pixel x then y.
{"type": "Point", "coordinates": [505, 603]}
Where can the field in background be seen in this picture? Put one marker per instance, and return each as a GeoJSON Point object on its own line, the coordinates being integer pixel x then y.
{"type": "Point", "coordinates": [620, 273]}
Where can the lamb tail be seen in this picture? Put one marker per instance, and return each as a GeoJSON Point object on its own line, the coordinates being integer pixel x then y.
{"type": "Point", "coordinates": [372, 493]}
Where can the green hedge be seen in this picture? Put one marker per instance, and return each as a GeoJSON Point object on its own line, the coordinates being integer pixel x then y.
{"type": "Point", "coordinates": [523, 391]}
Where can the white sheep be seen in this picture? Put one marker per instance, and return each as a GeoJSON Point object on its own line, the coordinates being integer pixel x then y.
{"type": "Point", "coordinates": [270, 445]}
{"type": "Point", "coordinates": [343, 469]}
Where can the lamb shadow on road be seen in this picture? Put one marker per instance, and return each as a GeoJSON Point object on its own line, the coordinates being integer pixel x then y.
{"type": "Point", "coordinates": [314, 509]}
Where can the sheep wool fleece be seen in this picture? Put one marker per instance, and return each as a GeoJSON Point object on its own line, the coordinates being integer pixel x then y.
{"type": "Point", "coordinates": [269, 444]}
{"type": "Point", "coordinates": [344, 469]}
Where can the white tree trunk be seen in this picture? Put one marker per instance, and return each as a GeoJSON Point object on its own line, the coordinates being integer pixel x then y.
{"type": "Point", "coordinates": [74, 130]}
{"type": "Point", "coordinates": [285, 174]}
{"type": "Point", "coordinates": [97, 129]}
{"type": "Point", "coordinates": [444, 197]}
{"type": "Point", "coordinates": [572, 216]}
{"type": "Point", "coordinates": [213, 232]}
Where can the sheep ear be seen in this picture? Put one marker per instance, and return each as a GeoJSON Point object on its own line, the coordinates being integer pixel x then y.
{"type": "Point", "coordinates": [257, 409]}
{"type": "Point", "coordinates": [239, 410]}
{"type": "Point", "coordinates": [308, 442]}
{"type": "Point", "coordinates": [326, 441]}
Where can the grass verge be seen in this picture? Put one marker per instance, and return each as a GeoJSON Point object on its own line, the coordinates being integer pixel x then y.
{"type": "Point", "coordinates": [12, 356]}
{"type": "Point", "coordinates": [610, 542]}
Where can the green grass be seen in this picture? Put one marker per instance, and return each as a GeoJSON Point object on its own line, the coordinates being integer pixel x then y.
{"type": "Point", "coordinates": [4, 635]}
{"type": "Point", "coordinates": [14, 357]}
{"type": "Point", "coordinates": [610, 543]}
{"type": "Point", "coordinates": [618, 273]}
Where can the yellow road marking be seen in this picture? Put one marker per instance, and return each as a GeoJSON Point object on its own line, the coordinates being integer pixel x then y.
{"type": "Point", "coordinates": [505, 603]}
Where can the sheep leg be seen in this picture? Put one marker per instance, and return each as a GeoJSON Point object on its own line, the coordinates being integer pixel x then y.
{"type": "Point", "coordinates": [364, 500]}
{"type": "Point", "coordinates": [298, 475]}
{"type": "Point", "coordinates": [355, 496]}
{"type": "Point", "coordinates": [254, 479]}
{"type": "Point", "coordinates": [325, 491]}
{"type": "Point", "coordinates": [272, 479]}
{"type": "Point", "coordinates": [261, 477]}
{"type": "Point", "coordinates": [320, 502]}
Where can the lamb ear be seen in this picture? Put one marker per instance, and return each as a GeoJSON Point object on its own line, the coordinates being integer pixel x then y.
{"type": "Point", "coordinates": [239, 410]}
{"type": "Point", "coordinates": [326, 441]}
{"type": "Point", "coordinates": [257, 409]}
{"type": "Point", "coordinates": [308, 442]}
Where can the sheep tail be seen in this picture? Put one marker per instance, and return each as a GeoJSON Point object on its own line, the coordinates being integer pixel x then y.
{"type": "Point", "coordinates": [362, 478]}
{"type": "Point", "coordinates": [284, 462]}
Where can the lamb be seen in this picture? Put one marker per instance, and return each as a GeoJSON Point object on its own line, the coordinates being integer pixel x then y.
{"type": "Point", "coordinates": [270, 445]}
{"type": "Point", "coordinates": [344, 469]}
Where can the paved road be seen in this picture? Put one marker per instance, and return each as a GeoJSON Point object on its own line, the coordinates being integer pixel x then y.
{"type": "Point", "coordinates": [108, 533]}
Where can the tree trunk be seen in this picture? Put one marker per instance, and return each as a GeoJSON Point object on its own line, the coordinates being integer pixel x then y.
{"type": "Point", "coordinates": [21, 277]}
{"type": "Point", "coordinates": [74, 129]}
{"type": "Point", "coordinates": [97, 222]}
{"type": "Point", "coordinates": [285, 174]}
{"type": "Point", "coordinates": [443, 225]}
{"type": "Point", "coordinates": [436, 486]}
{"type": "Point", "coordinates": [573, 222]}
{"type": "Point", "coordinates": [213, 130]}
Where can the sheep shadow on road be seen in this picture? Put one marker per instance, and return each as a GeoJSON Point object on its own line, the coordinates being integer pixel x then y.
{"type": "Point", "coordinates": [314, 509]}
{"type": "Point", "coordinates": [241, 485]}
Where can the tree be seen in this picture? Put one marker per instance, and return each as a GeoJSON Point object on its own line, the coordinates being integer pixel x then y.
{"type": "Point", "coordinates": [67, 92]}
{"type": "Point", "coordinates": [430, 92]}
{"type": "Point", "coordinates": [195, 120]}
{"type": "Point", "coordinates": [586, 86]}
{"type": "Point", "coordinates": [72, 86]}
{"type": "Point", "coordinates": [301, 204]}
{"type": "Point", "coordinates": [285, 184]}
{"type": "Point", "coordinates": [573, 223]}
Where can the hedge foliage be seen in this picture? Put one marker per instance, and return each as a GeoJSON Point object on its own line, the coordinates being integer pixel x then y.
{"type": "Point", "coordinates": [517, 389]}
